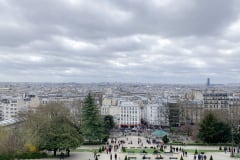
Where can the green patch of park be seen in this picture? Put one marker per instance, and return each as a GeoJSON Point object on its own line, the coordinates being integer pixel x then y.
{"type": "Point", "coordinates": [140, 150]}
{"type": "Point", "coordinates": [202, 150]}
{"type": "Point", "coordinates": [84, 150]}
{"type": "Point", "coordinates": [237, 155]}
{"type": "Point", "coordinates": [151, 150]}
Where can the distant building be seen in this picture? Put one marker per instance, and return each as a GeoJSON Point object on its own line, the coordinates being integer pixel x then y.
{"type": "Point", "coordinates": [208, 82]}
{"type": "Point", "coordinates": [174, 113]}
{"type": "Point", "coordinates": [11, 106]}
{"type": "Point", "coordinates": [216, 100]}
{"type": "Point", "coordinates": [191, 111]}
{"type": "Point", "coordinates": [129, 114]}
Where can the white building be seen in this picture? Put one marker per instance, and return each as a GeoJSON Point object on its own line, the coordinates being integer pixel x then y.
{"type": "Point", "coordinates": [11, 106]}
{"type": "Point", "coordinates": [130, 116]}
{"type": "Point", "coordinates": [156, 112]}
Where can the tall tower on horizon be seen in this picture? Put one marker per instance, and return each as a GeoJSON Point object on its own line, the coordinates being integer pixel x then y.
{"type": "Point", "coordinates": [208, 82]}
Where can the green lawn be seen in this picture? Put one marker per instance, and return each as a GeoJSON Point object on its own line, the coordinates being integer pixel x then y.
{"type": "Point", "coordinates": [85, 150]}
{"type": "Point", "coordinates": [148, 150]}
{"type": "Point", "coordinates": [203, 150]}
{"type": "Point", "coordinates": [237, 155]}
{"type": "Point", "coordinates": [139, 150]}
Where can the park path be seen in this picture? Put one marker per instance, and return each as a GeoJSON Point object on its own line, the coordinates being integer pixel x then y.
{"type": "Point", "coordinates": [134, 140]}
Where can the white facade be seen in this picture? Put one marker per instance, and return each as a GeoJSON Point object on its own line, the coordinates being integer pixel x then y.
{"type": "Point", "coordinates": [129, 114]}
{"type": "Point", "coordinates": [11, 106]}
{"type": "Point", "coordinates": [156, 114]}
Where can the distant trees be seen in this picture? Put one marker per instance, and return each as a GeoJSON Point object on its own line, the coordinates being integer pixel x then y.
{"type": "Point", "coordinates": [213, 130]}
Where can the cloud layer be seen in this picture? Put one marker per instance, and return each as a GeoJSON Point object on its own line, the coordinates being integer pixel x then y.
{"type": "Point", "coordinates": [155, 41]}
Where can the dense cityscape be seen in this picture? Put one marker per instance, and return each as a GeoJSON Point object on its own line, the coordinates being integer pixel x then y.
{"type": "Point", "coordinates": [159, 105]}
{"type": "Point", "coordinates": [175, 110]}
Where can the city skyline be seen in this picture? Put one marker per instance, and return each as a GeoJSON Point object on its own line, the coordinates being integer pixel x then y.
{"type": "Point", "coordinates": [120, 41]}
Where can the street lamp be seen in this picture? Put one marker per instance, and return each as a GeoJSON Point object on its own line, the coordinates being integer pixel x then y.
{"type": "Point", "coordinates": [118, 123]}
{"type": "Point", "coordinates": [232, 154]}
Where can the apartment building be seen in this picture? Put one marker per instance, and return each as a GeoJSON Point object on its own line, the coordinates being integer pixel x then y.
{"type": "Point", "coordinates": [191, 111]}
{"type": "Point", "coordinates": [129, 114]}
{"type": "Point", "coordinates": [156, 113]}
{"type": "Point", "coordinates": [216, 100]}
{"type": "Point", "coordinates": [11, 106]}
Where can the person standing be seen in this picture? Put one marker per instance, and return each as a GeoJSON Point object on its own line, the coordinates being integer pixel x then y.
{"type": "Point", "coordinates": [115, 156]}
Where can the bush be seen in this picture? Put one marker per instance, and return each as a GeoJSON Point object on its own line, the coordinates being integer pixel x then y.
{"type": "Point", "coordinates": [31, 155]}
{"type": "Point", "coordinates": [123, 149]}
{"type": "Point", "coordinates": [25, 155]}
{"type": "Point", "coordinates": [196, 152]}
{"type": "Point", "coordinates": [6, 157]}
{"type": "Point", "coordinates": [103, 148]}
{"type": "Point", "coordinates": [211, 158]}
{"type": "Point", "coordinates": [155, 152]}
{"type": "Point", "coordinates": [161, 149]}
{"type": "Point", "coordinates": [165, 139]}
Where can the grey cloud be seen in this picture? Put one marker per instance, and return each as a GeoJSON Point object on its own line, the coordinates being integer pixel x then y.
{"type": "Point", "coordinates": [127, 40]}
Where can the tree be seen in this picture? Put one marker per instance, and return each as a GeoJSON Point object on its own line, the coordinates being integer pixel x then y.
{"type": "Point", "coordinates": [92, 123]}
{"type": "Point", "coordinates": [181, 158]}
{"type": "Point", "coordinates": [165, 139]}
{"type": "Point", "coordinates": [108, 122]}
{"type": "Point", "coordinates": [212, 130]}
{"type": "Point", "coordinates": [236, 137]}
{"type": "Point", "coordinates": [211, 158]}
{"type": "Point", "coordinates": [51, 128]}
{"type": "Point", "coordinates": [12, 140]}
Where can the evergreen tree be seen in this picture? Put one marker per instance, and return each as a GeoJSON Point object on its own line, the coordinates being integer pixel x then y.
{"type": "Point", "coordinates": [92, 123]}
{"type": "Point", "coordinates": [108, 122]}
{"type": "Point", "coordinates": [213, 130]}
{"type": "Point", "coordinates": [211, 158]}
{"type": "Point", "coordinates": [196, 152]}
{"type": "Point", "coordinates": [165, 139]}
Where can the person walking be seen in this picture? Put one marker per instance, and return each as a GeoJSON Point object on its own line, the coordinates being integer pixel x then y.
{"type": "Point", "coordinates": [61, 156]}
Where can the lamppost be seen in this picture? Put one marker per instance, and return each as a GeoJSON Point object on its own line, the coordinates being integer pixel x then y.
{"type": "Point", "coordinates": [118, 123]}
{"type": "Point", "coordinates": [232, 154]}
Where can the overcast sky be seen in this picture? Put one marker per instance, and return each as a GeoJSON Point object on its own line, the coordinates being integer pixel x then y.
{"type": "Point", "coordinates": [158, 41]}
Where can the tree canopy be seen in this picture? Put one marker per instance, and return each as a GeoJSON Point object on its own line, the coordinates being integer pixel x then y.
{"type": "Point", "coordinates": [108, 122]}
{"type": "Point", "coordinates": [213, 130]}
{"type": "Point", "coordinates": [51, 128]}
{"type": "Point", "coordinates": [92, 123]}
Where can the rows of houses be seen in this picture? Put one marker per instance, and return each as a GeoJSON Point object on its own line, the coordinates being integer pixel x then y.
{"type": "Point", "coordinates": [131, 110]}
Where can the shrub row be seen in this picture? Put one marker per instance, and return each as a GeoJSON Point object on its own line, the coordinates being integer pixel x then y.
{"type": "Point", "coordinates": [27, 155]}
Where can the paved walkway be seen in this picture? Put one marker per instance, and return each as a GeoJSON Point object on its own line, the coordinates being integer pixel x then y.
{"type": "Point", "coordinates": [132, 141]}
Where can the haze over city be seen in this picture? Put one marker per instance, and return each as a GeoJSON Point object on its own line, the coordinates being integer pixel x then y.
{"type": "Point", "coordinates": [119, 41]}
